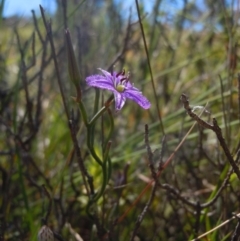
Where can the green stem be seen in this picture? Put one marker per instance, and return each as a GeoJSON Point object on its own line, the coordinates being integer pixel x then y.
{"type": "Point", "coordinates": [95, 109]}
{"type": "Point", "coordinates": [105, 155]}
{"type": "Point", "coordinates": [101, 111]}
{"type": "Point", "coordinates": [111, 128]}
{"type": "Point", "coordinates": [109, 162]}
{"type": "Point", "coordinates": [83, 112]}
{"type": "Point", "coordinates": [90, 146]}
{"type": "Point", "coordinates": [90, 133]}
{"type": "Point", "coordinates": [105, 173]}
{"type": "Point", "coordinates": [90, 143]}
{"type": "Point", "coordinates": [106, 147]}
{"type": "Point", "coordinates": [96, 103]}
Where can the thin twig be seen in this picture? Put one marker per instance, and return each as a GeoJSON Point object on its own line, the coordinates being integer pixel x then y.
{"type": "Point", "coordinates": [224, 108]}
{"type": "Point", "coordinates": [49, 206]}
{"type": "Point", "coordinates": [214, 127]}
{"type": "Point", "coordinates": [217, 227]}
{"type": "Point", "coordinates": [40, 81]}
{"type": "Point", "coordinates": [37, 28]}
{"type": "Point", "coordinates": [65, 18]}
{"type": "Point", "coordinates": [48, 28]}
{"type": "Point", "coordinates": [120, 219]}
{"type": "Point", "coordinates": [154, 175]}
{"type": "Point", "coordinates": [149, 152]}
{"type": "Point", "coordinates": [74, 233]}
{"type": "Point", "coordinates": [25, 81]}
{"type": "Point", "coordinates": [125, 43]}
{"type": "Point", "coordinates": [80, 159]}
{"type": "Point", "coordinates": [196, 205]}
{"type": "Point", "coordinates": [236, 233]}
{"type": "Point", "coordinates": [145, 209]}
{"type": "Point", "coordinates": [150, 69]}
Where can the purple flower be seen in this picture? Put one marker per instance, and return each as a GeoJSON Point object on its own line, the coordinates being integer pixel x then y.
{"type": "Point", "coordinates": [121, 87]}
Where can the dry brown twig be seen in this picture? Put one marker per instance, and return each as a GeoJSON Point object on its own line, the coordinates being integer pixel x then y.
{"type": "Point", "coordinates": [155, 184]}
{"type": "Point", "coordinates": [215, 128]}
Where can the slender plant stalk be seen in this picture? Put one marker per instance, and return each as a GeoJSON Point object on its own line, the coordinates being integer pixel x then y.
{"type": "Point", "coordinates": [150, 69]}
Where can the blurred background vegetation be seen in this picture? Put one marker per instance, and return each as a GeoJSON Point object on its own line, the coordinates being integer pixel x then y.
{"type": "Point", "coordinates": [193, 48]}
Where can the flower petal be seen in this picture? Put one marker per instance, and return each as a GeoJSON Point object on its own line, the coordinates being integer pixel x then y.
{"type": "Point", "coordinates": [135, 95]}
{"type": "Point", "coordinates": [106, 73]}
{"type": "Point", "coordinates": [101, 82]}
{"type": "Point", "coordinates": [119, 100]}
